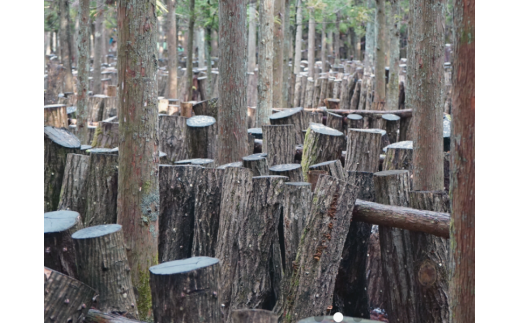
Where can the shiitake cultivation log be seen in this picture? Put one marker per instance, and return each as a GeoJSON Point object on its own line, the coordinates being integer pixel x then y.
{"type": "Point", "coordinates": [96, 106]}
{"type": "Point", "coordinates": [208, 191]}
{"type": "Point", "coordinates": [257, 163]}
{"type": "Point", "coordinates": [354, 121]}
{"type": "Point", "coordinates": [103, 265]}
{"type": "Point", "coordinates": [73, 188]}
{"type": "Point", "coordinates": [292, 116]}
{"type": "Point", "coordinates": [292, 171]}
{"type": "Point", "coordinates": [202, 137]}
{"type": "Point", "coordinates": [204, 162]}
{"type": "Point", "coordinates": [172, 137]}
{"type": "Point", "coordinates": [177, 186]}
{"type": "Point", "coordinates": [253, 316]}
{"type": "Point", "coordinates": [333, 167]}
{"type": "Point", "coordinates": [330, 319]}
{"type": "Point", "coordinates": [57, 144]}
{"type": "Point", "coordinates": [255, 132]}
{"type": "Point", "coordinates": [101, 206]}
{"type": "Point", "coordinates": [234, 164]}
{"type": "Point", "coordinates": [66, 299]}
{"type": "Point", "coordinates": [186, 290]}
{"type": "Point", "coordinates": [55, 115]}
{"type": "Point", "coordinates": [312, 282]}
{"type": "Point", "coordinates": [106, 135]}
{"type": "Point", "coordinates": [321, 144]}
{"type": "Point", "coordinates": [57, 241]}
{"type": "Point", "coordinates": [257, 232]}
{"type": "Point", "coordinates": [399, 156]}
{"type": "Point", "coordinates": [391, 124]}
{"type": "Point", "coordinates": [278, 143]}
{"type": "Point", "coordinates": [363, 146]}
{"type": "Point", "coordinates": [335, 121]}
{"type": "Point", "coordinates": [95, 316]}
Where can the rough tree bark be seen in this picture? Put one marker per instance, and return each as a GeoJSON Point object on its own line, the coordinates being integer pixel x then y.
{"type": "Point", "coordinates": [256, 316]}
{"type": "Point", "coordinates": [189, 53]}
{"type": "Point", "coordinates": [202, 137]}
{"type": "Point", "coordinates": [311, 39]}
{"type": "Point", "coordinates": [265, 63]}
{"type": "Point", "coordinates": [257, 163]}
{"type": "Point", "coordinates": [98, 46]}
{"type": "Point", "coordinates": [278, 44]}
{"type": "Point", "coordinates": [83, 71]}
{"type": "Point", "coordinates": [291, 116]}
{"type": "Point", "coordinates": [462, 187]}
{"type": "Point", "coordinates": [380, 84]}
{"type": "Point", "coordinates": [138, 187]}
{"type": "Point", "coordinates": [172, 49]}
{"type": "Point", "coordinates": [172, 137]}
{"type": "Point", "coordinates": [292, 171]}
{"type": "Point", "coordinates": [278, 144]}
{"type": "Point", "coordinates": [288, 78]}
{"type": "Point", "coordinates": [392, 95]}
{"type": "Point", "coordinates": [363, 148]}
{"type": "Point", "coordinates": [251, 54]}
{"type": "Point", "coordinates": [55, 115]}
{"type": "Point", "coordinates": [232, 112]}
{"type": "Point", "coordinates": [73, 188]}
{"type": "Point", "coordinates": [332, 167]}
{"type": "Point", "coordinates": [65, 44]}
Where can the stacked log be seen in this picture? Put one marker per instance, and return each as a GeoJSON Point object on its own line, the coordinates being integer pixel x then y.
{"type": "Point", "coordinates": [292, 171]}
{"type": "Point", "coordinates": [292, 116]}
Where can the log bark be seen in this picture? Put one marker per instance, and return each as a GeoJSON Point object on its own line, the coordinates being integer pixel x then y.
{"type": "Point", "coordinates": [391, 124]}
{"type": "Point", "coordinates": [265, 62]}
{"type": "Point", "coordinates": [55, 115]}
{"type": "Point", "coordinates": [344, 98]}
{"type": "Point", "coordinates": [398, 158]}
{"type": "Point", "coordinates": [83, 67]}
{"type": "Point", "coordinates": [187, 109]}
{"type": "Point", "coordinates": [257, 163]}
{"type": "Point", "coordinates": [312, 282]}
{"type": "Point", "coordinates": [363, 147]}
{"type": "Point", "coordinates": [95, 316]}
{"type": "Point", "coordinates": [331, 103]}
{"type": "Point", "coordinates": [321, 144]}
{"type": "Point", "coordinates": [278, 144]}
{"type": "Point", "coordinates": [236, 187]}
{"type": "Point", "coordinates": [204, 162]}
{"type": "Point", "coordinates": [177, 187]}
{"type": "Point", "coordinates": [96, 107]}
{"type": "Point", "coordinates": [363, 93]}
{"type": "Point", "coordinates": [57, 144]}
{"type": "Point", "coordinates": [172, 137]}
{"type": "Point", "coordinates": [278, 49]}
{"type": "Point", "coordinates": [354, 121]}
{"type": "Point", "coordinates": [396, 250]}
{"type": "Point", "coordinates": [354, 101]}
{"type": "Point", "coordinates": [103, 265]}
{"type": "Point", "coordinates": [102, 189]}
{"type": "Point", "coordinates": [66, 299]}
{"type": "Point", "coordinates": [298, 90]}
{"type": "Point", "coordinates": [106, 135]}
{"type": "Point", "coordinates": [324, 90]}
{"type": "Point", "coordinates": [59, 248]}
{"type": "Point", "coordinates": [256, 316]}
{"type": "Point", "coordinates": [317, 93]}
{"type": "Point", "coordinates": [202, 137]}
{"type": "Point", "coordinates": [335, 121]}
{"type": "Point", "coordinates": [311, 42]}
{"type": "Point", "coordinates": [350, 291]}
{"type": "Point", "coordinates": [303, 91]}
{"type": "Point", "coordinates": [292, 171]}
{"type": "Point", "coordinates": [73, 188]}
{"type": "Point", "coordinates": [292, 116]}
{"type": "Point", "coordinates": [186, 290]}
{"type": "Point", "coordinates": [309, 93]}
{"type": "Point", "coordinates": [208, 192]}
{"type": "Point", "coordinates": [252, 283]}
{"type": "Point", "coordinates": [333, 168]}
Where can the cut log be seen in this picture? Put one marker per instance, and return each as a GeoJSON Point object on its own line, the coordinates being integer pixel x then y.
{"type": "Point", "coordinates": [320, 92]}
{"type": "Point", "coordinates": [309, 94]}
{"type": "Point", "coordinates": [55, 115]}
{"type": "Point", "coordinates": [106, 135]}
{"type": "Point", "coordinates": [57, 144]}
{"type": "Point", "coordinates": [374, 273]}
{"type": "Point", "coordinates": [257, 163]}
{"type": "Point", "coordinates": [207, 108]}
{"type": "Point", "coordinates": [404, 114]}
{"type": "Point", "coordinates": [103, 265]}
{"type": "Point", "coordinates": [335, 121]}
{"type": "Point", "coordinates": [204, 162]}
{"type": "Point", "coordinates": [253, 316]}
{"type": "Point", "coordinates": [354, 101]}
{"type": "Point", "coordinates": [95, 316]}
{"type": "Point", "coordinates": [312, 282]}
{"type": "Point", "coordinates": [363, 147]}
{"type": "Point", "coordinates": [332, 167]}
{"type": "Point", "coordinates": [235, 164]}
{"type": "Point", "coordinates": [399, 156]}
{"type": "Point", "coordinates": [430, 255]}
{"type": "Point", "coordinates": [396, 249]}
{"type": "Point", "coordinates": [252, 283]}
{"type": "Point", "coordinates": [177, 187]}
{"type": "Point", "coordinates": [203, 88]}
{"type": "Point", "coordinates": [391, 124]}
{"type": "Point", "coordinates": [73, 188]}
{"type": "Point", "coordinates": [96, 107]}
{"type": "Point", "coordinates": [405, 128]}
{"type": "Point", "coordinates": [59, 248]}
{"type": "Point", "coordinates": [278, 143]}
{"type": "Point", "coordinates": [297, 91]}
{"type": "Point", "coordinates": [363, 94]}
{"type": "Point", "coordinates": [172, 137]}
{"type": "Point", "coordinates": [206, 213]}
{"type": "Point", "coordinates": [101, 206]}
{"type": "Point", "coordinates": [292, 171]}
{"type": "Point", "coordinates": [336, 93]}
{"type": "Point", "coordinates": [251, 117]}
{"type": "Point", "coordinates": [236, 187]}
{"type": "Point", "coordinates": [303, 92]}
{"type": "Point", "coordinates": [66, 299]}
{"type": "Point", "coordinates": [321, 144]}
{"type": "Point", "coordinates": [162, 106]}
{"type": "Point", "coordinates": [187, 109]}
{"type": "Point", "coordinates": [354, 121]}
{"type": "Point", "coordinates": [313, 117]}
{"type": "Point", "coordinates": [292, 116]}
{"type": "Point", "coordinates": [313, 176]}
{"type": "Point", "coordinates": [344, 98]}
{"type": "Point", "coordinates": [202, 137]}
{"type": "Point", "coordinates": [256, 133]}
{"type": "Point", "coordinates": [296, 208]}
{"type": "Point", "coordinates": [350, 292]}
{"type": "Point", "coordinates": [186, 290]}
{"type": "Point", "coordinates": [332, 104]}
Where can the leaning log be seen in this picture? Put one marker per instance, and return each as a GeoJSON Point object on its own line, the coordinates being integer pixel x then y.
{"type": "Point", "coordinates": [55, 115]}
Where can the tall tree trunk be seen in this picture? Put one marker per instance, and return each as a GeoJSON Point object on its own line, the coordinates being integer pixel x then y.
{"type": "Point", "coordinates": [336, 40]}
{"type": "Point", "coordinates": [286, 81]}
{"type": "Point", "coordinates": [64, 12]}
{"type": "Point", "coordinates": [83, 71]}
{"type": "Point", "coordinates": [278, 37]}
{"type": "Point", "coordinates": [311, 38]}
{"type": "Point", "coordinates": [201, 51]}
{"type": "Point", "coordinates": [189, 53]}
{"type": "Point", "coordinates": [392, 95]}
{"type": "Point", "coordinates": [98, 47]}
{"type": "Point", "coordinates": [298, 40]}
{"type": "Point", "coordinates": [462, 190]}
{"type": "Point", "coordinates": [138, 184]}
{"type": "Point", "coordinates": [232, 112]}
{"type": "Point", "coordinates": [370, 40]}
{"type": "Point", "coordinates": [265, 63]}
{"type": "Point", "coordinates": [424, 88]}
{"type": "Point", "coordinates": [324, 65]}
{"type": "Point", "coordinates": [380, 84]}
{"type": "Point", "coordinates": [251, 40]}
{"type": "Point", "coordinates": [172, 49]}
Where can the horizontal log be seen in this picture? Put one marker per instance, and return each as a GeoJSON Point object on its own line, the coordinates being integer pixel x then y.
{"type": "Point", "coordinates": [404, 113]}
{"type": "Point", "coordinates": [435, 223]}
{"type": "Point", "coordinates": [95, 316]}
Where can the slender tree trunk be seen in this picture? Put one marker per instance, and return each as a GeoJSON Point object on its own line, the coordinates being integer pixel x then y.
{"type": "Point", "coordinates": [392, 97]}
{"type": "Point", "coordinates": [201, 52]}
{"type": "Point", "coordinates": [265, 63]}
{"type": "Point", "coordinates": [189, 52]}
{"type": "Point", "coordinates": [232, 112]}
{"type": "Point", "coordinates": [286, 81]}
{"type": "Point", "coordinates": [65, 38]}
{"type": "Point", "coordinates": [83, 71]}
{"type": "Point", "coordinates": [172, 49]}
{"type": "Point", "coordinates": [324, 64]}
{"type": "Point", "coordinates": [98, 47]}
{"type": "Point", "coordinates": [380, 84]}
{"type": "Point", "coordinates": [336, 40]}
{"type": "Point", "coordinates": [251, 40]}
{"type": "Point", "coordinates": [311, 38]}
{"type": "Point", "coordinates": [424, 88]}
{"type": "Point", "coordinates": [370, 40]}
{"type": "Point", "coordinates": [298, 40]}
{"type": "Point", "coordinates": [138, 185]}
{"type": "Point", "coordinates": [462, 190]}
{"type": "Point", "coordinates": [278, 37]}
